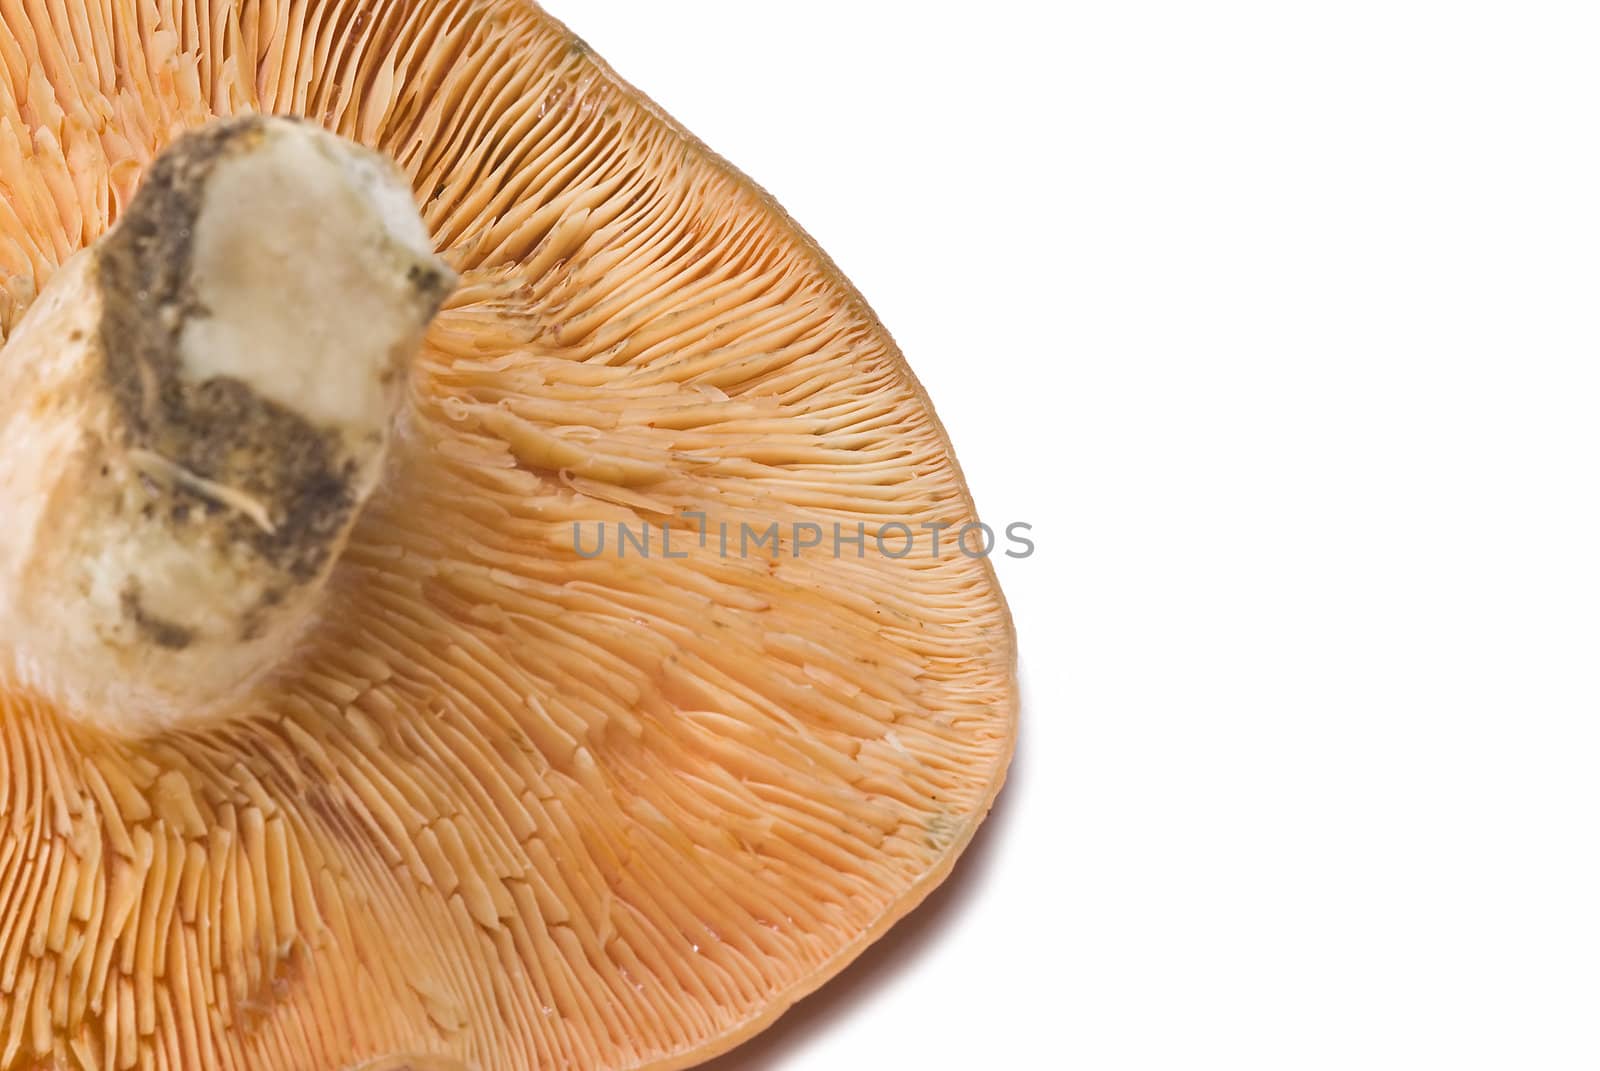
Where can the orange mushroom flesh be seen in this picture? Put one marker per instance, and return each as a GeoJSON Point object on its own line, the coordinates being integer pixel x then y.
{"type": "Point", "coordinates": [506, 802]}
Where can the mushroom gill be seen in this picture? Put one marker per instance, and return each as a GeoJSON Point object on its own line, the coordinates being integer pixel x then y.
{"type": "Point", "coordinates": [512, 799]}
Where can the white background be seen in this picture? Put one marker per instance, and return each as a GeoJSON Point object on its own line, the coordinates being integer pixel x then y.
{"type": "Point", "coordinates": [1278, 321]}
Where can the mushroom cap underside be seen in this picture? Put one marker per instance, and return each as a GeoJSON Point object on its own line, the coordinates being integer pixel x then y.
{"type": "Point", "coordinates": [517, 801]}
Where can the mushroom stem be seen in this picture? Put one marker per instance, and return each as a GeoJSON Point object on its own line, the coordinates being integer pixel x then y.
{"type": "Point", "coordinates": [193, 412]}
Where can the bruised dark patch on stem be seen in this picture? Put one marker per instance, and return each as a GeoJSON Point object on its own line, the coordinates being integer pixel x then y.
{"type": "Point", "coordinates": [157, 630]}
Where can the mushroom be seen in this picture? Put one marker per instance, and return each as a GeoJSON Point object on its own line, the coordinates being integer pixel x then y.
{"type": "Point", "coordinates": [333, 735]}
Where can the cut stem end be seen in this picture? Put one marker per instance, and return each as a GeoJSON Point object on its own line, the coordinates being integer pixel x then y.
{"type": "Point", "coordinates": [196, 409]}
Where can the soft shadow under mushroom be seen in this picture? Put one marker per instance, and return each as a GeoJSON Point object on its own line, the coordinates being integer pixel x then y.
{"type": "Point", "coordinates": [888, 959]}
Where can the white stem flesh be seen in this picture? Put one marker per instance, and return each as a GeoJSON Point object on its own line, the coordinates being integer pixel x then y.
{"type": "Point", "coordinates": [193, 412]}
